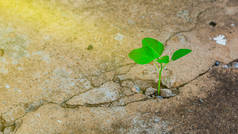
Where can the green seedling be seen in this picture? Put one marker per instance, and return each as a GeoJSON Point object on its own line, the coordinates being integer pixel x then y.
{"type": "Point", "coordinates": [152, 50]}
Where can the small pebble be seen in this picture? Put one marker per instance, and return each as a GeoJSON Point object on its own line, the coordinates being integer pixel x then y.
{"type": "Point", "coordinates": [150, 91]}
{"type": "Point", "coordinates": [217, 63]}
{"type": "Point", "coordinates": [166, 93]}
{"type": "Point", "coordinates": [160, 97]}
{"type": "Point", "coordinates": [157, 120]}
{"type": "Point", "coordinates": [201, 100]}
{"type": "Point", "coordinates": [225, 66]}
{"type": "Point", "coordinates": [136, 89]}
{"type": "Point", "coordinates": [235, 64]}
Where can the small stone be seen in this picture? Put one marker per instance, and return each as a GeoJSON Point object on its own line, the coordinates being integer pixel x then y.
{"type": "Point", "coordinates": [159, 97]}
{"type": "Point", "coordinates": [235, 64]}
{"type": "Point", "coordinates": [225, 66]}
{"type": "Point", "coordinates": [150, 91]}
{"type": "Point", "coordinates": [136, 89]}
{"type": "Point", "coordinates": [201, 100]}
{"type": "Point", "coordinates": [156, 120]}
{"type": "Point", "coordinates": [166, 93]}
{"type": "Point", "coordinates": [217, 63]}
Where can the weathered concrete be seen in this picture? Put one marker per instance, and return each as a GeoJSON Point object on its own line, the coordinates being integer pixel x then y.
{"type": "Point", "coordinates": [55, 54]}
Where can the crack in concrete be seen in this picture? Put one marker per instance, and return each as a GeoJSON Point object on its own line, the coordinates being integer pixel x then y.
{"type": "Point", "coordinates": [106, 104]}
{"type": "Point", "coordinates": [189, 30]}
{"type": "Point", "coordinates": [201, 74]}
{"type": "Point", "coordinates": [109, 104]}
{"type": "Point", "coordinates": [69, 98]}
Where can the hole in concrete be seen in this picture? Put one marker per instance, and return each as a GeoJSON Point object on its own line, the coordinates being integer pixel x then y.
{"type": "Point", "coordinates": [212, 23]}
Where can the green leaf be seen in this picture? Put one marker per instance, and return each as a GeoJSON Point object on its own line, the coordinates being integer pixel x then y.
{"type": "Point", "coordinates": [180, 53]}
{"type": "Point", "coordinates": [164, 59]}
{"type": "Point", "coordinates": [156, 47]}
{"type": "Point", "coordinates": [141, 55]}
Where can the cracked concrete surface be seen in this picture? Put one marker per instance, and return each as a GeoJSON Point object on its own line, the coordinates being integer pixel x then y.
{"type": "Point", "coordinates": [52, 83]}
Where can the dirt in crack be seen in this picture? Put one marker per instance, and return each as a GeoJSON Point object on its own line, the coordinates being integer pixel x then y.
{"type": "Point", "coordinates": [218, 113]}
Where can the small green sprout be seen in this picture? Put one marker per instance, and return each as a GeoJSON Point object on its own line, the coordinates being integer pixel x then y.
{"type": "Point", "coordinates": [151, 51]}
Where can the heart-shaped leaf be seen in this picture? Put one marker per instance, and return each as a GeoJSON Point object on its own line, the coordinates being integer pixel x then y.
{"type": "Point", "coordinates": [141, 55]}
{"type": "Point", "coordinates": [157, 47]}
{"type": "Point", "coordinates": [180, 53]}
{"type": "Point", "coordinates": [164, 59]}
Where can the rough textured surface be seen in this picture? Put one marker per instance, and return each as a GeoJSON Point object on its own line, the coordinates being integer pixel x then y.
{"type": "Point", "coordinates": [215, 101]}
{"type": "Point", "coordinates": [166, 93]}
{"type": "Point", "coordinates": [64, 65]}
{"type": "Point", "coordinates": [108, 92]}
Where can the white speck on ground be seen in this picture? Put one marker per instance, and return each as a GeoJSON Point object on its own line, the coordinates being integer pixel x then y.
{"type": "Point", "coordinates": [235, 64]}
{"type": "Point", "coordinates": [59, 121]}
{"type": "Point", "coordinates": [233, 25]}
{"type": "Point", "coordinates": [119, 37]}
{"type": "Point", "coordinates": [220, 39]}
{"type": "Point", "coordinates": [225, 66]}
{"type": "Point", "coordinates": [7, 86]}
{"type": "Point", "coordinates": [38, 115]}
